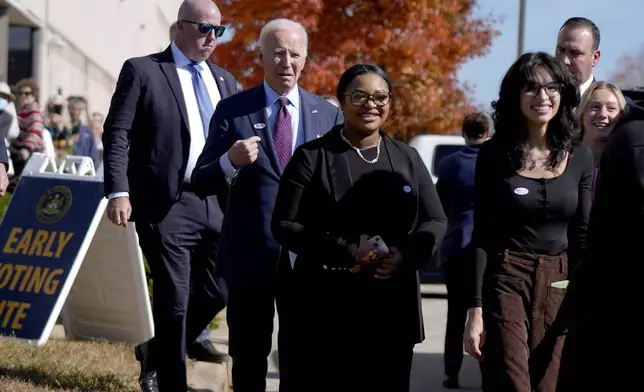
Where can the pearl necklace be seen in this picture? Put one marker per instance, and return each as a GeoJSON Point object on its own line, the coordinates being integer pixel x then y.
{"type": "Point", "coordinates": [357, 150]}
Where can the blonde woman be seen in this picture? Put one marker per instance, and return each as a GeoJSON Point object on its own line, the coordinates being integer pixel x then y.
{"type": "Point", "coordinates": [601, 107]}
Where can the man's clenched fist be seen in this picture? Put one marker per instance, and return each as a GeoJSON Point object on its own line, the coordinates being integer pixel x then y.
{"type": "Point", "coordinates": [244, 152]}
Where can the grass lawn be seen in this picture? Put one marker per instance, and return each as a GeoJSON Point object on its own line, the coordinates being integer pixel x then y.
{"type": "Point", "coordinates": [67, 366]}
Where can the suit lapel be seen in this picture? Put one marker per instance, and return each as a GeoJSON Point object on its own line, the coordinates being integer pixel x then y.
{"type": "Point", "coordinates": [338, 164]}
{"type": "Point", "coordinates": [261, 127]}
{"type": "Point", "coordinates": [219, 79]}
{"type": "Point", "coordinates": [169, 69]}
{"type": "Point", "coordinates": [310, 116]}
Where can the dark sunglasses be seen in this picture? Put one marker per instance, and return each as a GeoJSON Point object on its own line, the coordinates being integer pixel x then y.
{"type": "Point", "coordinates": [207, 28]}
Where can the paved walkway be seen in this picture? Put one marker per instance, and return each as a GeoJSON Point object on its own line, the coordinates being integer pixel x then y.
{"type": "Point", "coordinates": [427, 371]}
{"type": "Point", "coordinates": [427, 368]}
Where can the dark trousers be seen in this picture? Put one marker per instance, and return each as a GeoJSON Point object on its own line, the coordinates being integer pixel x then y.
{"type": "Point", "coordinates": [366, 366]}
{"type": "Point", "coordinates": [603, 331]}
{"type": "Point", "coordinates": [522, 353]}
{"type": "Point", "coordinates": [346, 337]}
{"type": "Point", "coordinates": [250, 314]}
{"type": "Point", "coordinates": [455, 281]}
{"type": "Point", "coordinates": [181, 251]}
{"type": "Point", "coordinates": [354, 360]}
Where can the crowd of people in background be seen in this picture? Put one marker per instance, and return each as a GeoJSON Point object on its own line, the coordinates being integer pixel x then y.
{"type": "Point", "coordinates": [60, 128]}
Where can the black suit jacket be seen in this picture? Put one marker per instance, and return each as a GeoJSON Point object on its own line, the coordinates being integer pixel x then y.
{"type": "Point", "coordinates": [146, 135]}
{"type": "Point", "coordinates": [311, 213]}
{"type": "Point", "coordinates": [604, 294]}
{"type": "Point", "coordinates": [247, 249]}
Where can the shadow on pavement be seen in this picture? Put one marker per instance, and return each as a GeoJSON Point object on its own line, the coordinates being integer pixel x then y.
{"type": "Point", "coordinates": [427, 373]}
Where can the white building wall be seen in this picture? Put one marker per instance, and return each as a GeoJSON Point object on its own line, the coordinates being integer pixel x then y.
{"type": "Point", "coordinates": [83, 43]}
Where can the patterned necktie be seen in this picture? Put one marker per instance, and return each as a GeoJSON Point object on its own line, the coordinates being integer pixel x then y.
{"type": "Point", "coordinates": [283, 133]}
{"type": "Point", "coordinates": [203, 98]}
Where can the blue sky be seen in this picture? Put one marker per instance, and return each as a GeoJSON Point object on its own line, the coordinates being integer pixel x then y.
{"type": "Point", "coordinates": [621, 23]}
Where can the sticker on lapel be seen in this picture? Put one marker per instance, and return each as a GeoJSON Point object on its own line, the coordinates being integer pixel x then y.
{"type": "Point", "coordinates": [314, 111]}
{"type": "Point", "coordinates": [259, 126]}
{"type": "Point", "coordinates": [407, 188]}
{"type": "Point", "coordinates": [521, 191]}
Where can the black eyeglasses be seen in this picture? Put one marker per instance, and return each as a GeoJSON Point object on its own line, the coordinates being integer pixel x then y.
{"type": "Point", "coordinates": [552, 89]}
{"type": "Point", "coordinates": [359, 98]}
{"type": "Point", "coordinates": [207, 28]}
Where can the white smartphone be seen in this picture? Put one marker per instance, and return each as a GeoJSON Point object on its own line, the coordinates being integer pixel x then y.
{"type": "Point", "coordinates": [378, 244]}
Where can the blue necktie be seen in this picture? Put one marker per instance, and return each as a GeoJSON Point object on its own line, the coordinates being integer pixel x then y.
{"type": "Point", "coordinates": [203, 98]}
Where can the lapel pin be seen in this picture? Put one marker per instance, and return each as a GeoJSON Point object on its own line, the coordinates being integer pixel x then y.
{"type": "Point", "coordinates": [314, 111]}
{"type": "Point", "coordinates": [221, 78]}
{"type": "Point", "coordinates": [407, 188]}
{"type": "Point", "coordinates": [259, 126]}
{"type": "Point", "coordinates": [319, 135]}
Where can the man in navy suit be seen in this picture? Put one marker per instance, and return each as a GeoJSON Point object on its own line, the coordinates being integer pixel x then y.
{"type": "Point", "coordinates": [154, 132]}
{"type": "Point", "coordinates": [455, 188]}
{"type": "Point", "coordinates": [252, 136]}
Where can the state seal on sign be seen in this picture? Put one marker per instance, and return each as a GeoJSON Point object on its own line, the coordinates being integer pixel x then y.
{"type": "Point", "coordinates": [54, 204]}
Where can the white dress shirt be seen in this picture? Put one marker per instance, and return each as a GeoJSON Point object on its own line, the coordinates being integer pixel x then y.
{"type": "Point", "coordinates": [584, 86]}
{"type": "Point", "coordinates": [197, 137]}
{"type": "Point", "coordinates": [272, 107]}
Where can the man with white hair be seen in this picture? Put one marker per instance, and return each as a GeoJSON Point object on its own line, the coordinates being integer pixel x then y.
{"type": "Point", "coordinates": [252, 137]}
{"type": "Point", "coordinates": [154, 132]}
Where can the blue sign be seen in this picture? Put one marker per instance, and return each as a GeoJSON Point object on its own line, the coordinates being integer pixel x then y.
{"type": "Point", "coordinates": [41, 236]}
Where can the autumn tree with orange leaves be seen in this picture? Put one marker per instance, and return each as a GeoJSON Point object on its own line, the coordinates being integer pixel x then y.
{"type": "Point", "coordinates": [419, 43]}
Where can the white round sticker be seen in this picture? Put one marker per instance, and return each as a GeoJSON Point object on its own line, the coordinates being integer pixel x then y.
{"type": "Point", "coordinates": [521, 191]}
{"type": "Point", "coordinates": [407, 188]}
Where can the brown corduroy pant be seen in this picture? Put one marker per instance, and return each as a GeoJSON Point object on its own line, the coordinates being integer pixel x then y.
{"type": "Point", "coordinates": [521, 352]}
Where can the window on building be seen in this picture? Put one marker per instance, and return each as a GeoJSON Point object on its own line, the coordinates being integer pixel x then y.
{"type": "Point", "coordinates": [21, 53]}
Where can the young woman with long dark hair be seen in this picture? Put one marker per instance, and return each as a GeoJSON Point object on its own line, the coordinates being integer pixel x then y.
{"type": "Point", "coordinates": [532, 204]}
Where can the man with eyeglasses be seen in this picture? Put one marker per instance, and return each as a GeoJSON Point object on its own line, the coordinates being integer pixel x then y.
{"type": "Point", "coordinates": [155, 130]}
{"type": "Point", "coordinates": [252, 137]}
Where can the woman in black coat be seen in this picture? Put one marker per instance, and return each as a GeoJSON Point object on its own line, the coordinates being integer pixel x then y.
{"type": "Point", "coordinates": [359, 311]}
